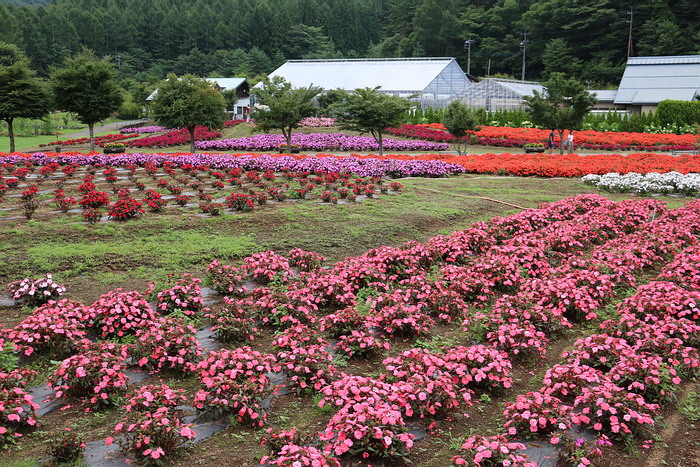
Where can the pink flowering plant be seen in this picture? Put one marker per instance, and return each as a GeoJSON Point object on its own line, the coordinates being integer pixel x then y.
{"type": "Point", "coordinates": [493, 451]}
{"type": "Point", "coordinates": [265, 266]}
{"type": "Point", "coordinates": [612, 410]}
{"type": "Point", "coordinates": [306, 261]}
{"type": "Point", "coordinates": [120, 312]}
{"type": "Point", "coordinates": [368, 430]}
{"type": "Point", "coordinates": [56, 329]}
{"type": "Point", "coordinates": [94, 375]}
{"type": "Point", "coordinates": [167, 344]}
{"type": "Point", "coordinates": [153, 435]}
{"type": "Point", "coordinates": [232, 323]}
{"type": "Point", "coordinates": [534, 414]}
{"type": "Point", "coordinates": [226, 279]}
{"type": "Point", "coordinates": [36, 291]}
{"type": "Point", "coordinates": [184, 296]}
{"type": "Point", "coordinates": [17, 406]}
{"type": "Point", "coordinates": [235, 382]}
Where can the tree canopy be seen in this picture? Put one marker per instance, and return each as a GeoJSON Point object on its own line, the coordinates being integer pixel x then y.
{"type": "Point", "coordinates": [283, 106]}
{"type": "Point", "coordinates": [21, 93]}
{"type": "Point", "coordinates": [188, 102]}
{"type": "Point", "coordinates": [86, 86]}
{"type": "Point", "coordinates": [562, 106]}
{"type": "Point", "coordinates": [459, 120]}
{"type": "Point", "coordinates": [368, 110]}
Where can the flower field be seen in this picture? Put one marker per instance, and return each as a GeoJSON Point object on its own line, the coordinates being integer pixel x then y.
{"type": "Point", "coordinates": [589, 139]}
{"type": "Point", "coordinates": [121, 189]}
{"type": "Point", "coordinates": [318, 142]}
{"type": "Point", "coordinates": [385, 352]}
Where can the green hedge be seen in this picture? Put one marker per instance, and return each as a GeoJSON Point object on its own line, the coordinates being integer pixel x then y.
{"type": "Point", "coordinates": [678, 112]}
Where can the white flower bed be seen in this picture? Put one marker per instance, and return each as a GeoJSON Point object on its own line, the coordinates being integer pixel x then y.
{"type": "Point", "coordinates": [671, 182]}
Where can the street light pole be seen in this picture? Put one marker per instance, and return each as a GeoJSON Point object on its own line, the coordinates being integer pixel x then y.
{"type": "Point", "coordinates": [523, 48]}
{"type": "Point", "coordinates": [468, 47]}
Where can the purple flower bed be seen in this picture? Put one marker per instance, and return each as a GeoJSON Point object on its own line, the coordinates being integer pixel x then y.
{"type": "Point", "coordinates": [361, 166]}
{"type": "Point", "coordinates": [319, 142]}
{"type": "Point", "coordinates": [144, 129]}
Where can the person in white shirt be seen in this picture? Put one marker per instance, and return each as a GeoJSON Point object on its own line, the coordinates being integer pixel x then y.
{"type": "Point", "coordinates": [570, 142]}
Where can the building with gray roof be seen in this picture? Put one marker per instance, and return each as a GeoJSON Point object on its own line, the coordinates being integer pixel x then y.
{"type": "Point", "coordinates": [650, 80]}
{"type": "Point", "coordinates": [495, 94]}
{"type": "Point", "coordinates": [433, 82]}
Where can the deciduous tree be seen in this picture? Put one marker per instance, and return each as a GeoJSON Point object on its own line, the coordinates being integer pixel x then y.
{"type": "Point", "coordinates": [87, 87]}
{"type": "Point", "coordinates": [563, 105]}
{"type": "Point", "coordinates": [188, 102]}
{"type": "Point", "coordinates": [368, 110]}
{"type": "Point", "coordinates": [283, 106]}
{"type": "Point", "coordinates": [459, 120]}
{"type": "Point", "coordinates": [22, 95]}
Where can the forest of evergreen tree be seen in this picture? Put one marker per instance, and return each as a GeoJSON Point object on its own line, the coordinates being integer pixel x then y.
{"type": "Point", "coordinates": [149, 38]}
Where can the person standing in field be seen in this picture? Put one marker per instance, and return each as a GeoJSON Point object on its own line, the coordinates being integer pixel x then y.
{"type": "Point", "coordinates": [550, 142]}
{"type": "Point", "coordinates": [570, 142]}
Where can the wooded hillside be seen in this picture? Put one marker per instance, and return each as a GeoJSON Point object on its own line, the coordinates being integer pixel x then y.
{"type": "Point", "coordinates": [148, 38]}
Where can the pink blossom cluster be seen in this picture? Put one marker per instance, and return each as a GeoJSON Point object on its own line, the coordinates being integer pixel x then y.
{"type": "Point", "coordinates": [184, 296]}
{"type": "Point", "coordinates": [56, 328]}
{"type": "Point", "coordinates": [233, 323]}
{"type": "Point", "coordinates": [167, 344]}
{"type": "Point", "coordinates": [226, 279]}
{"type": "Point", "coordinates": [493, 451]}
{"type": "Point", "coordinates": [153, 428]}
{"type": "Point", "coordinates": [317, 122]}
{"type": "Point", "coordinates": [94, 375]}
{"type": "Point", "coordinates": [266, 266]}
{"type": "Point", "coordinates": [120, 312]}
{"type": "Point", "coordinates": [36, 291]}
{"type": "Point", "coordinates": [235, 382]}
{"type": "Point", "coordinates": [17, 406]}
{"type": "Point", "coordinates": [306, 261]}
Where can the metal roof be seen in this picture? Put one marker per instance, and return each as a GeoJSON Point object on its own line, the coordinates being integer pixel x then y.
{"type": "Point", "coordinates": [228, 84]}
{"type": "Point", "coordinates": [650, 80]}
{"type": "Point", "coordinates": [604, 95]}
{"type": "Point", "coordinates": [391, 75]}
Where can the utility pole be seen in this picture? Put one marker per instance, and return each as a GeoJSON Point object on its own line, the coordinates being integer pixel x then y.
{"type": "Point", "coordinates": [630, 50]}
{"type": "Point", "coordinates": [468, 47]}
{"type": "Point", "coordinates": [523, 48]}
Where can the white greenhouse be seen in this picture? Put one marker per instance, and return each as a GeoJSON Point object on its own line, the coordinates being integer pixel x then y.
{"type": "Point", "coordinates": [495, 94]}
{"type": "Point", "coordinates": [434, 81]}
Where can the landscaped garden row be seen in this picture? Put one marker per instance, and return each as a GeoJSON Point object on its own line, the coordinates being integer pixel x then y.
{"type": "Point", "coordinates": [361, 166]}
{"type": "Point", "coordinates": [318, 142]}
{"type": "Point", "coordinates": [671, 182]}
{"type": "Point", "coordinates": [90, 186]}
{"type": "Point", "coordinates": [560, 265]}
{"type": "Point", "coordinates": [588, 139]}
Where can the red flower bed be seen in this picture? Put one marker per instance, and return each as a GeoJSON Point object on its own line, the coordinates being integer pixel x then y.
{"type": "Point", "coordinates": [99, 140]}
{"type": "Point", "coordinates": [174, 138]}
{"type": "Point", "coordinates": [589, 139]}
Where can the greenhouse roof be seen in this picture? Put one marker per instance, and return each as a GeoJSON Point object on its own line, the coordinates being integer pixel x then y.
{"type": "Point", "coordinates": [390, 74]}
{"type": "Point", "coordinates": [522, 88]}
{"type": "Point", "coordinates": [650, 80]}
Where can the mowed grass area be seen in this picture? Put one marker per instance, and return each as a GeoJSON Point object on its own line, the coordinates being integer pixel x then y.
{"type": "Point", "coordinates": [93, 259]}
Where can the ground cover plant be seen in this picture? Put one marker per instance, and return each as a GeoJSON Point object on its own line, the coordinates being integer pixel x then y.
{"type": "Point", "coordinates": [564, 264]}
